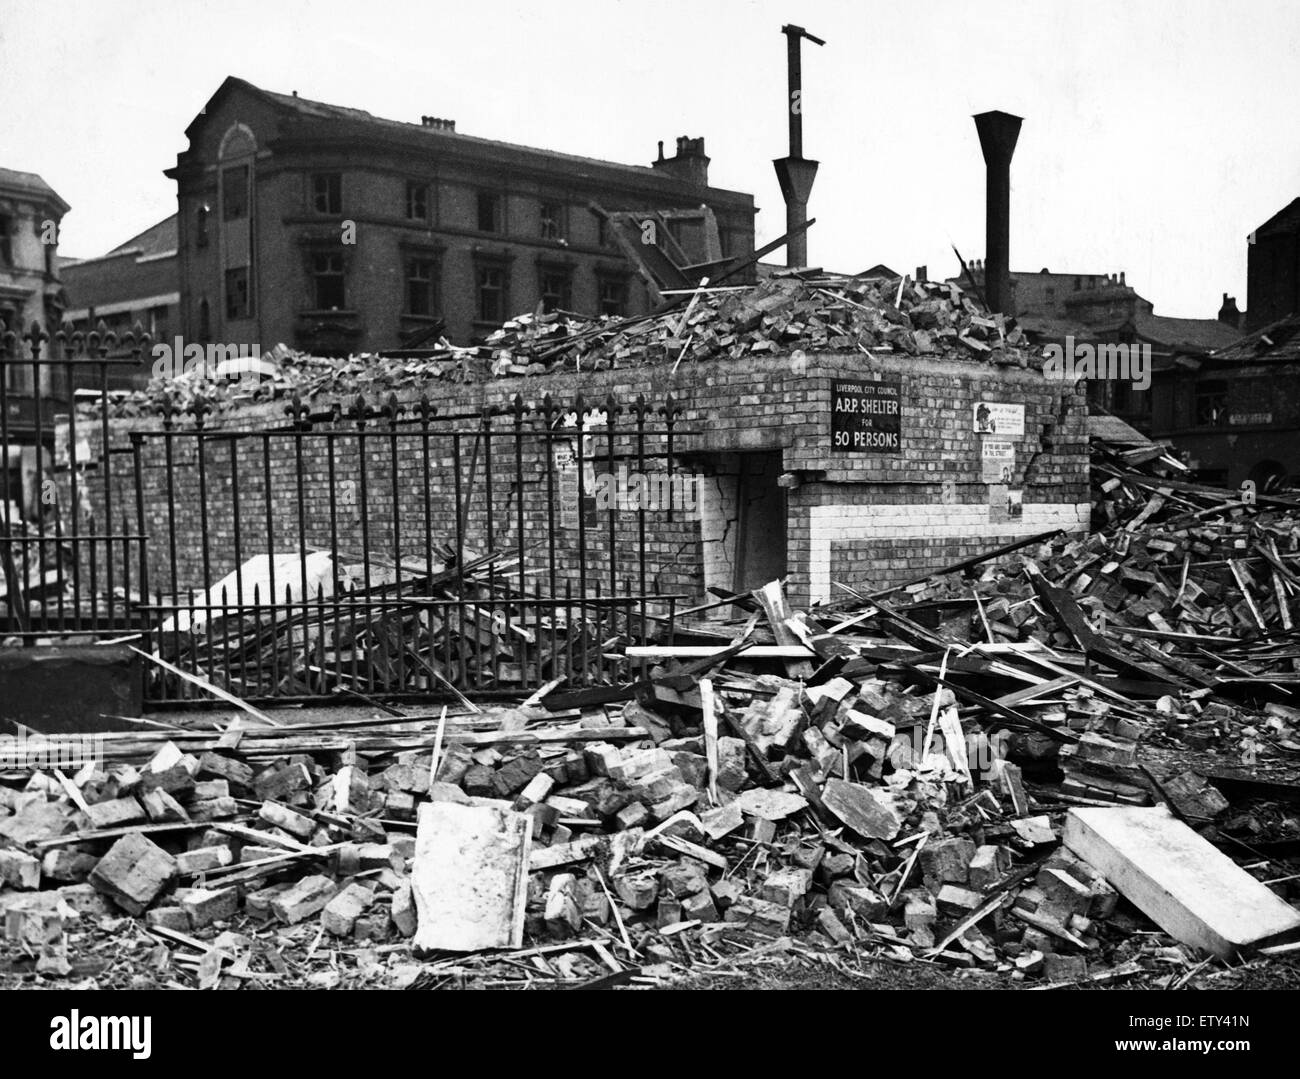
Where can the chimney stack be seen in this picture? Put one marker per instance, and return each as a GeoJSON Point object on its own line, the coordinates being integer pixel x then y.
{"type": "Point", "coordinates": [1228, 313]}
{"type": "Point", "coordinates": [690, 163]}
{"type": "Point", "coordinates": [998, 132]}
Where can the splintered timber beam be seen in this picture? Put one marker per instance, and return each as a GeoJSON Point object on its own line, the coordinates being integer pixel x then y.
{"type": "Point", "coordinates": [266, 744]}
{"type": "Point", "coordinates": [208, 687]}
{"type": "Point", "coordinates": [704, 651]}
{"type": "Point", "coordinates": [1008, 714]}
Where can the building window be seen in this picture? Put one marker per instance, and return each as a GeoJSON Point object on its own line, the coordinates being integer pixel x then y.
{"type": "Point", "coordinates": [1121, 397]}
{"type": "Point", "coordinates": [417, 201]}
{"type": "Point", "coordinates": [557, 289]}
{"type": "Point", "coordinates": [6, 243]}
{"type": "Point", "coordinates": [612, 295]}
{"type": "Point", "coordinates": [422, 287]}
{"type": "Point", "coordinates": [237, 298]}
{"type": "Point", "coordinates": [552, 221]}
{"type": "Point", "coordinates": [489, 212]}
{"type": "Point", "coordinates": [234, 193]}
{"type": "Point", "coordinates": [490, 283]}
{"type": "Point", "coordinates": [1211, 403]}
{"type": "Point", "coordinates": [158, 321]}
{"type": "Point", "coordinates": [327, 192]}
{"type": "Point", "coordinates": [603, 235]}
{"type": "Point", "coordinates": [327, 281]}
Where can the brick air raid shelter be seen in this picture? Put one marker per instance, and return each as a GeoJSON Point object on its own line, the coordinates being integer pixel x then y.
{"type": "Point", "coordinates": [830, 462]}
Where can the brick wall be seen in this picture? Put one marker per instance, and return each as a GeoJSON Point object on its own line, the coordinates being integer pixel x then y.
{"type": "Point", "coordinates": [867, 520]}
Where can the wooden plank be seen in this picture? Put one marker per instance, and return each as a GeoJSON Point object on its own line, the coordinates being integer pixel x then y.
{"type": "Point", "coordinates": [693, 850]}
{"type": "Point", "coordinates": [564, 853]}
{"type": "Point", "coordinates": [1010, 714]}
{"type": "Point", "coordinates": [93, 834]}
{"type": "Point", "coordinates": [208, 687]}
{"type": "Point", "coordinates": [1181, 882]}
{"type": "Point", "coordinates": [710, 736]}
{"type": "Point", "coordinates": [771, 597]}
{"type": "Point", "coordinates": [1034, 693]}
{"type": "Point", "coordinates": [1239, 576]}
{"type": "Point", "coordinates": [702, 651]}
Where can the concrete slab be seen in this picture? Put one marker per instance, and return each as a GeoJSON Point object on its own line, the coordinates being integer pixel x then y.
{"type": "Point", "coordinates": [470, 877]}
{"type": "Point", "coordinates": [1181, 882]}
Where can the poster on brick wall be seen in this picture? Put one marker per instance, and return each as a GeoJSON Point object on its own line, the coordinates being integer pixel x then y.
{"type": "Point", "coordinates": [998, 498]}
{"type": "Point", "coordinates": [866, 417]}
{"type": "Point", "coordinates": [1005, 503]}
{"type": "Point", "coordinates": [997, 460]}
{"type": "Point", "coordinates": [998, 418]}
{"type": "Point", "coordinates": [568, 494]}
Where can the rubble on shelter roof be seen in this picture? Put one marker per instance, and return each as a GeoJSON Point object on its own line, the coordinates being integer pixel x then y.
{"type": "Point", "coordinates": [787, 312]}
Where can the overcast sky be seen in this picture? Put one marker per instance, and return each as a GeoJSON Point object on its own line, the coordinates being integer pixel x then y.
{"type": "Point", "coordinates": [1156, 134]}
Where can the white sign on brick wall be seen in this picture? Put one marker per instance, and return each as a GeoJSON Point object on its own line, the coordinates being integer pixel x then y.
{"type": "Point", "coordinates": [997, 460]}
{"type": "Point", "coordinates": [998, 418]}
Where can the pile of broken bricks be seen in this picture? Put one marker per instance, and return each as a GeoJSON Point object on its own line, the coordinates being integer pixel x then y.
{"type": "Point", "coordinates": [947, 773]}
{"type": "Point", "coordinates": [626, 847]}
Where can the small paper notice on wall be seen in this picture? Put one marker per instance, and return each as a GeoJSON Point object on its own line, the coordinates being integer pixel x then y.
{"type": "Point", "coordinates": [998, 502]}
{"type": "Point", "coordinates": [998, 418]}
{"type": "Point", "coordinates": [574, 499]}
{"type": "Point", "coordinates": [998, 460]}
{"type": "Point", "coordinates": [1015, 503]}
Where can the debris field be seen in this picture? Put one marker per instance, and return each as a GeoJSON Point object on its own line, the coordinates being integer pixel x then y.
{"type": "Point", "coordinates": [1071, 762]}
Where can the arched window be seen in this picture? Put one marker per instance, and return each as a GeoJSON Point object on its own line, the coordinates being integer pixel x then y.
{"type": "Point", "coordinates": [235, 214]}
{"type": "Point", "coordinates": [1268, 476]}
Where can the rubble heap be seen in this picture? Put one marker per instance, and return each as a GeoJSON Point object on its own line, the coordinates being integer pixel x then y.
{"type": "Point", "coordinates": [390, 647]}
{"type": "Point", "coordinates": [903, 776]}
{"type": "Point", "coordinates": [785, 313]}
{"type": "Point", "coordinates": [627, 845]}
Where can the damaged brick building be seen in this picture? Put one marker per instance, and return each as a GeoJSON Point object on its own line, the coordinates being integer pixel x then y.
{"type": "Point", "coordinates": [336, 231]}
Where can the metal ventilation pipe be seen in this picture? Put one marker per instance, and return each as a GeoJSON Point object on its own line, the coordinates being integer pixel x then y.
{"type": "Point", "coordinates": [998, 132]}
{"type": "Point", "coordinates": [796, 173]}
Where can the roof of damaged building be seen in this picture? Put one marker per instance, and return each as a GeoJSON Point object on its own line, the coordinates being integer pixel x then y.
{"type": "Point", "coordinates": [785, 313]}
{"type": "Point", "coordinates": [1191, 334]}
{"type": "Point", "coordinates": [440, 137]}
{"type": "Point", "coordinates": [1194, 336]}
{"type": "Point", "coordinates": [1106, 427]}
{"type": "Point", "coordinates": [1277, 342]}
